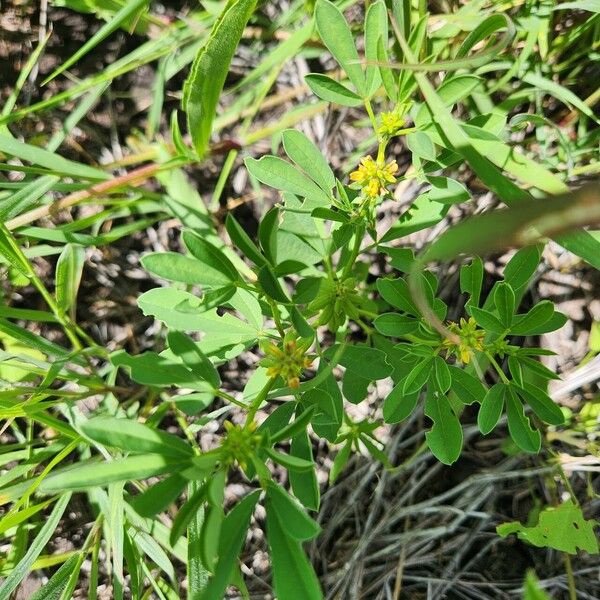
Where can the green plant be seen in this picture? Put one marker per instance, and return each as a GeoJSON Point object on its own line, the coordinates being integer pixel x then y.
{"type": "Point", "coordinates": [303, 295]}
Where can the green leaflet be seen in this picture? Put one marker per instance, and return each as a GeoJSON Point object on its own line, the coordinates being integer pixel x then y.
{"type": "Point", "coordinates": [304, 484]}
{"type": "Point", "coordinates": [233, 535]}
{"type": "Point", "coordinates": [298, 524]}
{"type": "Point", "coordinates": [194, 359]}
{"type": "Point", "coordinates": [293, 576]}
{"type": "Point", "coordinates": [281, 175]}
{"type": "Point", "coordinates": [132, 436]}
{"type": "Point", "coordinates": [331, 90]}
{"type": "Point", "coordinates": [491, 407]}
{"type": "Point", "coordinates": [519, 425]}
{"type": "Point", "coordinates": [376, 28]}
{"type": "Point", "coordinates": [446, 436]}
{"type": "Point", "coordinates": [309, 158]}
{"type": "Point", "coordinates": [204, 85]}
{"type": "Point", "coordinates": [92, 473]}
{"type": "Point", "coordinates": [336, 34]}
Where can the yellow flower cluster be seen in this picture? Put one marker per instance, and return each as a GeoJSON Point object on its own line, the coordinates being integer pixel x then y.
{"type": "Point", "coordinates": [471, 339]}
{"type": "Point", "coordinates": [391, 124]}
{"type": "Point", "coordinates": [374, 176]}
{"type": "Point", "coordinates": [288, 361]}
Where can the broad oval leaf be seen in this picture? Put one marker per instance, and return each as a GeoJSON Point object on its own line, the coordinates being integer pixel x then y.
{"type": "Point", "coordinates": [395, 325]}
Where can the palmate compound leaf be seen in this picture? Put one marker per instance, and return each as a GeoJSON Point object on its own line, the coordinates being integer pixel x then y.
{"type": "Point", "coordinates": [562, 528]}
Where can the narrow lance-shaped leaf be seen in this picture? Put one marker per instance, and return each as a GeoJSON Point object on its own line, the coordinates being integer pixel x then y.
{"type": "Point", "coordinates": [519, 426]}
{"type": "Point", "coordinates": [211, 257]}
{"type": "Point", "coordinates": [298, 524]}
{"type": "Point", "coordinates": [204, 85]}
{"type": "Point", "coordinates": [49, 160]}
{"type": "Point", "coordinates": [90, 473]}
{"type": "Point", "coordinates": [376, 22]}
{"type": "Point", "coordinates": [330, 90]}
{"type": "Point", "coordinates": [135, 437]}
{"type": "Point", "coordinates": [56, 586]}
{"type": "Point", "coordinates": [491, 408]}
{"type": "Point", "coordinates": [304, 483]}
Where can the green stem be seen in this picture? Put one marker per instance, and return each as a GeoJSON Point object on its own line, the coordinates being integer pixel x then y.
{"type": "Point", "coordinates": [229, 398]}
{"type": "Point", "coordinates": [570, 577]}
{"type": "Point", "coordinates": [359, 234]}
{"type": "Point", "coordinates": [260, 398]}
{"type": "Point", "coordinates": [371, 114]}
{"type": "Point", "coordinates": [276, 317]}
{"type": "Point", "coordinates": [497, 367]}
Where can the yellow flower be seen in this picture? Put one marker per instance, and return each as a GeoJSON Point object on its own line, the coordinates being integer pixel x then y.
{"type": "Point", "coordinates": [391, 124]}
{"type": "Point", "coordinates": [471, 340]}
{"type": "Point", "coordinates": [373, 177]}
